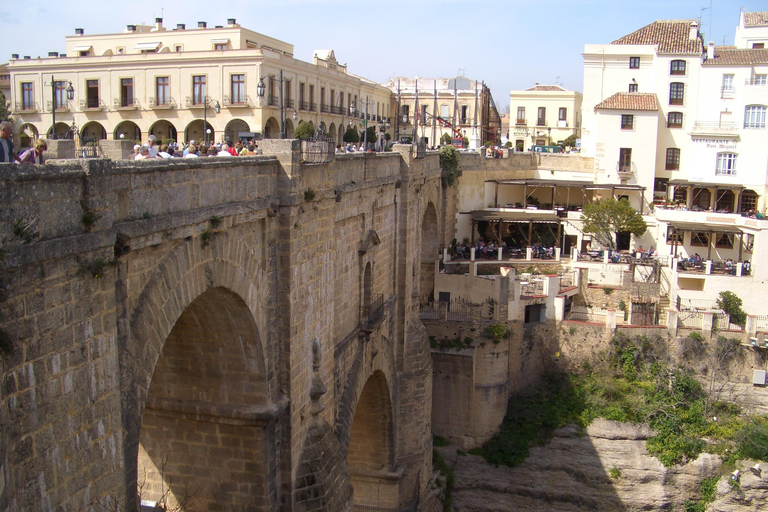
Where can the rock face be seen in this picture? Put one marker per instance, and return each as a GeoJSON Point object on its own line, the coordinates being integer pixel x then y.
{"type": "Point", "coordinates": [751, 495]}
{"type": "Point", "coordinates": [573, 473]}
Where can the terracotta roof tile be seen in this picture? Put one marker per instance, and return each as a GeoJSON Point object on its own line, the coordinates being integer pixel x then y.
{"type": "Point", "coordinates": [755, 19]}
{"type": "Point", "coordinates": [546, 88]}
{"type": "Point", "coordinates": [671, 36]}
{"type": "Point", "coordinates": [725, 56]}
{"type": "Point", "coordinates": [630, 101]}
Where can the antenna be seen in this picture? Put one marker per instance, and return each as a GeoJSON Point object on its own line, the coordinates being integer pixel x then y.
{"type": "Point", "coordinates": [462, 71]}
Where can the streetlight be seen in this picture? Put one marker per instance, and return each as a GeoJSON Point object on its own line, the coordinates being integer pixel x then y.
{"type": "Point", "coordinates": [365, 120]}
{"type": "Point", "coordinates": [261, 89]}
{"type": "Point", "coordinates": [70, 96]}
{"type": "Point", "coordinates": [216, 108]}
{"type": "Point", "coordinates": [549, 135]}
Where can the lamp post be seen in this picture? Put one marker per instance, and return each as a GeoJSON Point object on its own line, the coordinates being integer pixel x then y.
{"type": "Point", "coordinates": [261, 89]}
{"type": "Point", "coordinates": [365, 120]}
{"type": "Point", "coordinates": [216, 108]}
{"type": "Point", "coordinates": [549, 136]}
{"type": "Point", "coordinates": [70, 96]}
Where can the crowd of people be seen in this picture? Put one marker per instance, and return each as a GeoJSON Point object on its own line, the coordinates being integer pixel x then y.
{"type": "Point", "coordinates": [194, 149]}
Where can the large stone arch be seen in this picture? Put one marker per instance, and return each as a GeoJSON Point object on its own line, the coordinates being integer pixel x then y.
{"type": "Point", "coordinates": [28, 134]}
{"type": "Point", "coordinates": [194, 131]}
{"type": "Point", "coordinates": [233, 129]}
{"type": "Point", "coordinates": [371, 451]}
{"type": "Point", "coordinates": [185, 274]}
{"type": "Point", "coordinates": [272, 129]}
{"type": "Point", "coordinates": [127, 130]}
{"type": "Point", "coordinates": [163, 129]}
{"type": "Point", "coordinates": [93, 131]}
{"type": "Point", "coordinates": [430, 245]}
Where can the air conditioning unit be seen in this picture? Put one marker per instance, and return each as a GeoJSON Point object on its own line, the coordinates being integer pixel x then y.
{"type": "Point", "coordinates": [758, 377]}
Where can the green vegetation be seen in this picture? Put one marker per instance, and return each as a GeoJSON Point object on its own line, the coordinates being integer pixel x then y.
{"type": "Point", "coordinates": [731, 304]}
{"type": "Point", "coordinates": [438, 463]}
{"type": "Point", "coordinates": [633, 382]}
{"type": "Point", "coordinates": [614, 473]}
{"type": "Point", "coordinates": [449, 163]}
{"type": "Point", "coordinates": [351, 135]}
{"type": "Point", "coordinates": [497, 332]}
{"type": "Point", "coordinates": [89, 219]}
{"type": "Point", "coordinates": [304, 131]}
{"type": "Point", "coordinates": [5, 109]}
{"type": "Point", "coordinates": [310, 194]}
{"type": "Point", "coordinates": [450, 343]}
{"type": "Point", "coordinates": [607, 217]}
{"type": "Point", "coordinates": [570, 141]}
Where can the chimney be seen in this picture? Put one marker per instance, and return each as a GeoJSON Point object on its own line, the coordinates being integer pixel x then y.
{"type": "Point", "coordinates": [180, 26]}
{"type": "Point", "coordinates": [231, 22]}
{"type": "Point", "coordinates": [130, 28]}
{"type": "Point", "coordinates": [53, 54]}
{"type": "Point", "coordinates": [79, 31]}
{"type": "Point", "coordinates": [711, 50]}
{"type": "Point", "coordinates": [14, 55]}
{"type": "Point", "coordinates": [158, 24]}
{"type": "Point", "coordinates": [694, 32]}
{"type": "Point", "coordinates": [27, 57]}
{"type": "Point", "coordinates": [201, 24]}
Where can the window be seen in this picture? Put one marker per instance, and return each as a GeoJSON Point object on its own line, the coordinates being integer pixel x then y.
{"type": "Point", "coordinates": [700, 239]}
{"type": "Point", "coordinates": [726, 164]}
{"type": "Point", "coordinates": [162, 90]}
{"type": "Point", "coordinates": [220, 46]}
{"type": "Point", "coordinates": [562, 114]}
{"type": "Point", "coordinates": [177, 48]}
{"type": "Point", "coordinates": [92, 92]}
{"type": "Point", "coordinates": [634, 63]}
{"type": "Point", "coordinates": [758, 46]}
{"type": "Point", "coordinates": [237, 91]}
{"type": "Point", "coordinates": [660, 184]}
{"type": "Point", "coordinates": [627, 122]}
{"type": "Point", "coordinates": [464, 114]}
{"type": "Point", "coordinates": [542, 117]}
{"type": "Point", "coordinates": [632, 87]}
{"type": "Point", "coordinates": [754, 116]}
{"type": "Point", "coordinates": [625, 159]}
{"type": "Point", "coordinates": [199, 91]}
{"type": "Point", "coordinates": [675, 120]}
{"type": "Point", "coordinates": [677, 67]}
{"type": "Point", "coordinates": [681, 195]}
{"type": "Point", "coordinates": [724, 240]}
{"type": "Point", "coordinates": [312, 105]}
{"type": "Point", "coordinates": [727, 90]}
{"type": "Point", "coordinates": [322, 99]}
{"type": "Point", "coordinates": [748, 201]}
{"type": "Point", "coordinates": [673, 159]}
{"type": "Point", "coordinates": [760, 80]}
{"type": "Point", "coordinates": [126, 92]}
{"type": "Point", "coordinates": [60, 97]}
{"type": "Point", "coordinates": [445, 111]}
{"type": "Point", "coordinates": [302, 101]}
{"type": "Point", "coordinates": [676, 93]}
{"type": "Point", "coordinates": [520, 115]}
{"type": "Point", "coordinates": [27, 96]}
{"type": "Point", "coordinates": [406, 113]}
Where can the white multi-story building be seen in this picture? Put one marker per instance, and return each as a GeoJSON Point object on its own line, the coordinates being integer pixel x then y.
{"type": "Point", "coordinates": [543, 115]}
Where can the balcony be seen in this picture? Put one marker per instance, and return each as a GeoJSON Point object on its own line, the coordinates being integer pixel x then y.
{"type": "Point", "coordinates": [727, 92]}
{"type": "Point", "coordinates": [338, 110]}
{"type": "Point", "coordinates": [722, 128]}
{"type": "Point", "coordinates": [372, 314]}
{"type": "Point", "coordinates": [626, 169]}
{"type": "Point", "coordinates": [303, 105]}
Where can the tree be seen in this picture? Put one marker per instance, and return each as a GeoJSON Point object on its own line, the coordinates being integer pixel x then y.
{"type": "Point", "coordinates": [446, 139]}
{"type": "Point", "coordinates": [351, 135]}
{"type": "Point", "coordinates": [5, 111]}
{"type": "Point", "coordinates": [731, 304]}
{"type": "Point", "coordinates": [570, 141]}
{"type": "Point", "coordinates": [304, 131]}
{"type": "Point", "coordinates": [449, 163]}
{"type": "Point", "coordinates": [605, 218]}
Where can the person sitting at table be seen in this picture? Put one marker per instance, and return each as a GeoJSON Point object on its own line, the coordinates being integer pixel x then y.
{"type": "Point", "coordinates": [614, 256]}
{"type": "Point", "coordinates": [697, 259]}
{"type": "Point", "coordinates": [729, 266]}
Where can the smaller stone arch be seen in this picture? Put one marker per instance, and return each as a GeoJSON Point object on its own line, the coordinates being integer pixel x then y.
{"type": "Point", "coordinates": [128, 130]}
{"type": "Point", "coordinates": [194, 131]}
{"type": "Point", "coordinates": [332, 130]}
{"type": "Point", "coordinates": [93, 131]}
{"type": "Point", "coordinates": [27, 135]}
{"type": "Point", "coordinates": [62, 132]}
{"type": "Point", "coordinates": [290, 131]}
{"type": "Point", "coordinates": [272, 129]}
{"type": "Point", "coordinates": [234, 128]}
{"type": "Point", "coordinates": [163, 129]}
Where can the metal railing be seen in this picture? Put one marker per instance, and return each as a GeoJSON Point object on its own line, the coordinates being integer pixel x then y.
{"type": "Point", "coordinates": [692, 319]}
{"type": "Point", "coordinates": [87, 152]}
{"type": "Point", "coordinates": [761, 323]}
{"type": "Point", "coordinates": [367, 508]}
{"type": "Point", "coordinates": [273, 101]}
{"type": "Point", "coordinates": [684, 304]}
{"type": "Point", "coordinates": [459, 310]}
{"type": "Point", "coordinates": [585, 314]}
{"type": "Point", "coordinates": [338, 110]}
{"type": "Point", "coordinates": [372, 313]}
{"type": "Point", "coordinates": [611, 276]}
{"type": "Point", "coordinates": [325, 108]}
{"type": "Point", "coordinates": [303, 105]}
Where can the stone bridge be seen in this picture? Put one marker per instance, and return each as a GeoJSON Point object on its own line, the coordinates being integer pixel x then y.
{"type": "Point", "coordinates": [218, 334]}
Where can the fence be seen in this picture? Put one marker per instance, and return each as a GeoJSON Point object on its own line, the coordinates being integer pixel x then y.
{"type": "Point", "coordinates": [722, 321]}
{"type": "Point", "coordinates": [761, 323]}
{"type": "Point", "coordinates": [585, 314]}
{"type": "Point", "coordinates": [684, 304]}
{"type": "Point", "coordinates": [610, 276]}
{"type": "Point", "coordinates": [459, 310]}
{"type": "Point", "coordinates": [366, 508]}
{"type": "Point", "coordinates": [690, 318]}
{"type": "Point", "coordinates": [567, 280]}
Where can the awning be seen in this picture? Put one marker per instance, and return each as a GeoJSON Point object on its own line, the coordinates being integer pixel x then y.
{"type": "Point", "coordinates": [222, 40]}
{"type": "Point", "coordinates": [703, 227]}
{"type": "Point", "coordinates": [724, 186]}
{"type": "Point", "coordinates": [146, 46]}
{"type": "Point", "coordinates": [82, 48]}
{"type": "Point", "coordinates": [587, 185]}
{"type": "Point", "coordinates": [539, 216]}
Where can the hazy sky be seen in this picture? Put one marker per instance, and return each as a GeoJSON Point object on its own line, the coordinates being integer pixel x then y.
{"type": "Point", "coordinates": [510, 44]}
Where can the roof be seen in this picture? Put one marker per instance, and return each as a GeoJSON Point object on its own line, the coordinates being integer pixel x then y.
{"type": "Point", "coordinates": [756, 19]}
{"type": "Point", "coordinates": [671, 36]}
{"type": "Point", "coordinates": [728, 55]}
{"type": "Point", "coordinates": [538, 87]}
{"type": "Point", "coordinates": [630, 101]}
{"type": "Point", "coordinates": [703, 227]}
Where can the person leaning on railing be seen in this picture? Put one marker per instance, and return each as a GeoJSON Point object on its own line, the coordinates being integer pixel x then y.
{"type": "Point", "coordinates": [34, 155]}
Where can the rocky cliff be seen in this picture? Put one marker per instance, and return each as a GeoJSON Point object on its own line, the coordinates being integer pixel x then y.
{"type": "Point", "coordinates": [606, 468]}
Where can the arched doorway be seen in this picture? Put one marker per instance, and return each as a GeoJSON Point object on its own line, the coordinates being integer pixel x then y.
{"type": "Point", "coordinates": [128, 130]}
{"type": "Point", "coordinates": [332, 132]}
{"type": "Point", "coordinates": [233, 129]}
{"type": "Point", "coordinates": [322, 127]}
{"type": "Point", "coordinates": [62, 132]}
{"type": "Point", "coordinates": [371, 447]}
{"type": "Point", "coordinates": [196, 441]}
{"type": "Point", "coordinates": [290, 131]}
{"type": "Point", "coordinates": [28, 134]}
{"type": "Point", "coordinates": [272, 129]}
{"type": "Point", "coordinates": [92, 131]}
{"type": "Point", "coordinates": [429, 251]}
{"type": "Point", "coordinates": [194, 132]}
{"type": "Point", "coordinates": [163, 130]}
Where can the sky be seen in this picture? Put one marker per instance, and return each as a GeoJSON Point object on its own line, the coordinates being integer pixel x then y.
{"type": "Point", "coordinates": [509, 44]}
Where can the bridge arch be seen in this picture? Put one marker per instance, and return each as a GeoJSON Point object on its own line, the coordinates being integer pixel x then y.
{"type": "Point", "coordinates": [201, 317]}
{"type": "Point", "coordinates": [429, 249]}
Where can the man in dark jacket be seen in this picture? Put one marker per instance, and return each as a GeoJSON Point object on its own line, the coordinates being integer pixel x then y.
{"type": "Point", "coordinates": [7, 153]}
